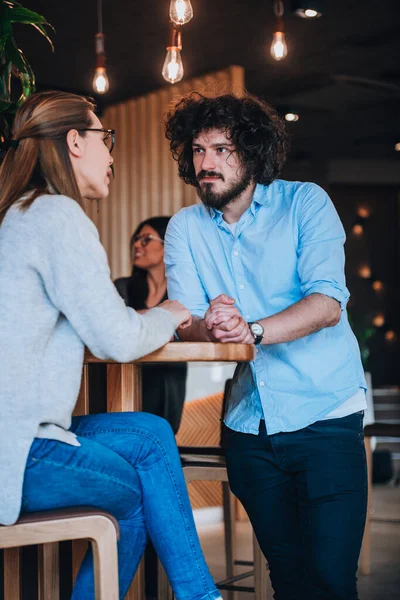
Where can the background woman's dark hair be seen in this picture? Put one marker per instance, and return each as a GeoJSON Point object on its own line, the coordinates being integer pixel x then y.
{"type": "Point", "coordinates": [138, 290]}
{"type": "Point", "coordinates": [254, 127]}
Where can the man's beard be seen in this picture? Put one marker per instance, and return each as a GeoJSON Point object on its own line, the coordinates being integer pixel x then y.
{"type": "Point", "coordinates": [212, 199]}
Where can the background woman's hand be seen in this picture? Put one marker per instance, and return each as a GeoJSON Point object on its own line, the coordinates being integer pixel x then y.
{"type": "Point", "coordinates": [179, 311]}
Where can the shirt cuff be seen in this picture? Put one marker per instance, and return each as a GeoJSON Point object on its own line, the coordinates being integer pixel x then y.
{"type": "Point", "coordinates": [330, 290]}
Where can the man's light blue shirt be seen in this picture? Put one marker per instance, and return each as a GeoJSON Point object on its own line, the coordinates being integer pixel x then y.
{"type": "Point", "coordinates": [287, 245]}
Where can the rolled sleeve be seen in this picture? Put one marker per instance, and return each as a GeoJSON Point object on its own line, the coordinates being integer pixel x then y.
{"type": "Point", "coordinates": [321, 247]}
{"type": "Point", "coordinates": [183, 280]}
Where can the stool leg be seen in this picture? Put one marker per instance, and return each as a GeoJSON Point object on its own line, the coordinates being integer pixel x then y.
{"type": "Point", "coordinates": [105, 561]}
{"type": "Point", "coordinates": [365, 556]}
{"type": "Point", "coordinates": [260, 572]}
{"type": "Point", "coordinates": [228, 506]}
{"type": "Point", "coordinates": [164, 589]}
{"type": "Point", "coordinates": [12, 574]}
{"type": "Point", "coordinates": [49, 576]}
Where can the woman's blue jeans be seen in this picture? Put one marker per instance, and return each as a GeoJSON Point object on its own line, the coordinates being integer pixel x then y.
{"type": "Point", "coordinates": [127, 464]}
{"type": "Point", "coordinates": [305, 493]}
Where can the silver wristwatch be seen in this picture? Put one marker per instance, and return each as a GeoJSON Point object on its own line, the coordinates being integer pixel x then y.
{"type": "Point", "coordinates": [258, 332]}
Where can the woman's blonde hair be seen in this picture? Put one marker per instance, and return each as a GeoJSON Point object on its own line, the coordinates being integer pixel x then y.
{"type": "Point", "coordinates": [38, 159]}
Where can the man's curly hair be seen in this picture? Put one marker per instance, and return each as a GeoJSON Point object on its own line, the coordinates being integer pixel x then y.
{"type": "Point", "coordinates": [254, 128]}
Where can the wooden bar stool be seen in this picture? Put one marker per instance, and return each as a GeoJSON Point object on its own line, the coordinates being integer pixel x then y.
{"type": "Point", "coordinates": [391, 430]}
{"type": "Point", "coordinates": [202, 467]}
{"type": "Point", "coordinates": [48, 528]}
{"type": "Point", "coordinates": [207, 463]}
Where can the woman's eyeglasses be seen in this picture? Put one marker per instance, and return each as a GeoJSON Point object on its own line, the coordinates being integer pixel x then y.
{"type": "Point", "coordinates": [145, 239]}
{"type": "Point", "coordinates": [108, 139]}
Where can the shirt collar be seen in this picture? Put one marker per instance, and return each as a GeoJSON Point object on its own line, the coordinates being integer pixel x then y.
{"type": "Point", "coordinates": [259, 198]}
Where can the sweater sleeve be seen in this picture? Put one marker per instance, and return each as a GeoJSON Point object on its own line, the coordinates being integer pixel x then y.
{"type": "Point", "coordinates": [74, 268]}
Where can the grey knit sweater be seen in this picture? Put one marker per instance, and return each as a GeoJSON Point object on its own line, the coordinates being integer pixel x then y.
{"type": "Point", "coordinates": [56, 296]}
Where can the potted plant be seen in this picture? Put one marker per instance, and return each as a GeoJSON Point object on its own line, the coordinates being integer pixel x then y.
{"type": "Point", "coordinates": [13, 62]}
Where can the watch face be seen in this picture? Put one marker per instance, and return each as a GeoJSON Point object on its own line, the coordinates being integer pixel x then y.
{"type": "Point", "coordinates": [257, 329]}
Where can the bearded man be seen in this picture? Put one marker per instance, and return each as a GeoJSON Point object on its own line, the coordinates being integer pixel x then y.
{"type": "Point", "coordinates": [261, 261]}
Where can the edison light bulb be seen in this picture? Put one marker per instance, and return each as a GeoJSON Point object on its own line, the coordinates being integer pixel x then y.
{"type": "Point", "coordinates": [180, 11]}
{"type": "Point", "coordinates": [278, 46]}
{"type": "Point", "coordinates": [100, 81]}
{"type": "Point", "coordinates": [173, 67]}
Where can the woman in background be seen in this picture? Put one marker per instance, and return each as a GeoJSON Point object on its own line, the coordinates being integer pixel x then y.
{"type": "Point", "coordinates": [163, 386]}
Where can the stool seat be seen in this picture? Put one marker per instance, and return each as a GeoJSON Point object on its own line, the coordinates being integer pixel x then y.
{"type": "Point", "coordinates": [382, 430]}
{"type": "Point", "coordinates": [46, 529]}
{"type": "Point", "coordinates": [57, 515]}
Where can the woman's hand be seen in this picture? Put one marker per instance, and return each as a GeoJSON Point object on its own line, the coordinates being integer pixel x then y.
{"type": "Point", "coordinates": [179, 311]}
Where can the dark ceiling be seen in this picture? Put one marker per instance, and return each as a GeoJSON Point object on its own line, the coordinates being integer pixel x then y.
{"type": "Point", "coordinates": [342, 72]}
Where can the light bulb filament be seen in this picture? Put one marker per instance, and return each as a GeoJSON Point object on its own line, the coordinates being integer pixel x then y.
{"type": "Point", "coordinates": [100, 81]}
{"type": "Point", "coordinates": [173, 67]}
{"type": "Point", "coordinates": [278, 46]}
{"type": "Point", "coordinates": [180, 11]}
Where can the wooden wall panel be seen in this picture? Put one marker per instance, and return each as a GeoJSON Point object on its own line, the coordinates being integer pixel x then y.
{"type": "Point", "coordinates": [146, 182]}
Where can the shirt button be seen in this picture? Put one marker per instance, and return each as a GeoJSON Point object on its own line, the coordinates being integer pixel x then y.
{"type": "Point", "coordinates": [236, 253]}
{"type": "Point", "coordinates": [247, 317]}
{"type": "Point", "coordinates": [262, 384]}
{"type": "Point", "coordinates": [241, 287]}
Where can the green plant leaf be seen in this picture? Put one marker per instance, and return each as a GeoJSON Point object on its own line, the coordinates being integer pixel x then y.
{"type": "Point", "coordinates": [20, 14]}
{"type": "Point", "coordinates": [44, 33]}
{"type": "Point", "coordinates": [4, 105]}
{"type": "Point", "coordinates": [5, 21]}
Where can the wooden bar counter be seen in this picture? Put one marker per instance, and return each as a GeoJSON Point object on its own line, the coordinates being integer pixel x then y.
{"type": "Point", "coordinates": [124, 393]}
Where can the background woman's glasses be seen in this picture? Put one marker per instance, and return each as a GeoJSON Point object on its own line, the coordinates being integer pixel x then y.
{"type": "Point", "coordinates": [146, 239]}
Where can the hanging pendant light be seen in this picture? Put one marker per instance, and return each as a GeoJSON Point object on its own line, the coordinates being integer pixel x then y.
{"type": "Point", "coordinates": [180, 11]}
{"type": "Point", "coordinates": [100, 80]}
{"type": "Point", "coordinates": [173, 68]}
{"type": "Point", "coordinates": [278, 46]}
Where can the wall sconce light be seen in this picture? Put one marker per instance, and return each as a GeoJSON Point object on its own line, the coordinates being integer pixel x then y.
{"type": "Point", "coordinates": [291, 117]}
{"type": "Point", "coordinates": [307, 9]}
{"type": "Point", "coordinates": [364, 271]}
{"type": "Point", "coordinates": [364, 212]}
{"type": "Point", "coordinates": [357, 230]}
{"type": "Point", "coordinates": [390, 336]}
{"type": "Point", "coordinates": [379, 320]}
{"type": "Point", "coordinates": [377, 286]}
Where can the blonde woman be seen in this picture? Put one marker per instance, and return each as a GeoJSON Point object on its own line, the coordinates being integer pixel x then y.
{"type": "Point", "coordinates": [56, 297]}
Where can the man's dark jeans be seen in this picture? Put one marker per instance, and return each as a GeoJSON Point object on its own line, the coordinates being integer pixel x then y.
{"type": "Point", "coordinates": [306, 494]}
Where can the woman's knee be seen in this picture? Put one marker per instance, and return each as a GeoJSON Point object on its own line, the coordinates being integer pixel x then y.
{"type": "Point", "coordinates": [157, 426]}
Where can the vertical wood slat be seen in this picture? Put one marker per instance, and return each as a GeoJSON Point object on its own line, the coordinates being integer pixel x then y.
{"type": "Point", "coordinates": [49, 575]}
{"type": "Point", "coordinates": [12, 574]}
{"type": "Point", "coordinates": [82, 404]}
{"type": "Point", "coordinates": [124, 388]}
{"type": "Point", "coordinates": [146, 181]}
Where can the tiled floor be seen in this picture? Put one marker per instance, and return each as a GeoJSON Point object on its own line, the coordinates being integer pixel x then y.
{"type": "Point", "coordinates": [384, 581]}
